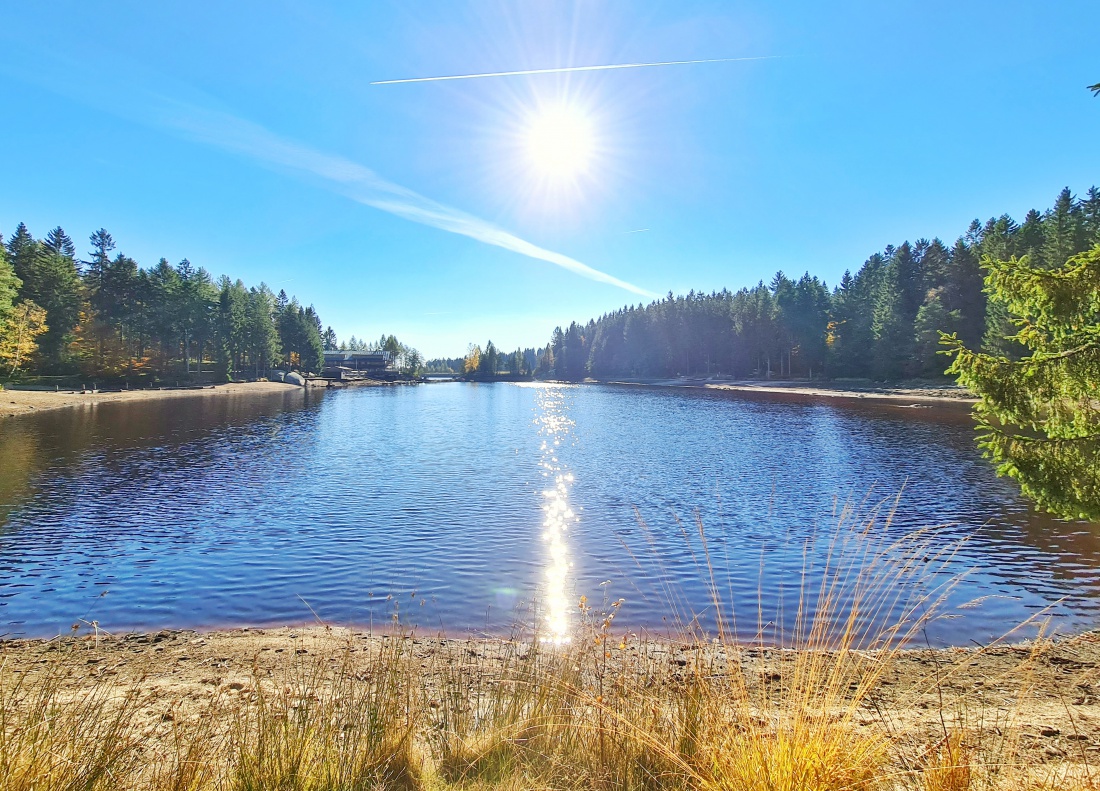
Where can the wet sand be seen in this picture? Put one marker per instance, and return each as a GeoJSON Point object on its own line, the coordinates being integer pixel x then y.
{"type": "Point", "coordinates": [20, 402]}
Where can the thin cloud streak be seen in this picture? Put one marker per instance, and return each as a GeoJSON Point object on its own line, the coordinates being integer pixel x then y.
{"type": "Point", "coordinates": [566, 69]}
{"type": "Point", "coordinates": [638, 230]}
{"type": "Point", "coordinates": [361, 184]}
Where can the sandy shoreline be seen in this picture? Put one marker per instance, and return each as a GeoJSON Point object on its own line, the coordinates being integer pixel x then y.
{"type": "Point", "coordinates": [20, 402]}
{"type": "Point", "coordinates": [913, 394]}
{"type": "Point", "coordinates": [1049, 697]}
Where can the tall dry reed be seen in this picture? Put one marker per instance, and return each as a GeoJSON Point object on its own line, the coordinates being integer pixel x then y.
{"type": "Point", "coordinates": [816, 705]}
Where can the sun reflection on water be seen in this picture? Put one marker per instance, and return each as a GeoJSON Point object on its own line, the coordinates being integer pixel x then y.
{"type": "Point", "coordinates": [555, 428]}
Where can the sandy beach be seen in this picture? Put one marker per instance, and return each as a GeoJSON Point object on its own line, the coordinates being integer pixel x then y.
{"type": "Point", "coordinates": [1047, 698]}
{"type": "Point", "coordinates": [910, 393]}
{"type": "Point", "coordinates": [19, 402]}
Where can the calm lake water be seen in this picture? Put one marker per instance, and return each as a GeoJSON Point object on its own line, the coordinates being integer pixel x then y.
{"type": "Point", "coordinates": [455, 506]}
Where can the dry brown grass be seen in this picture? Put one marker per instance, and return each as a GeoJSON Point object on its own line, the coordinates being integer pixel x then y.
{"type": "Point", "coordinates": [605, 711]}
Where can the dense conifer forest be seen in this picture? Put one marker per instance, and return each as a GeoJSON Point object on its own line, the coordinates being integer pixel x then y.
{"type": "Point", "coordinates": [883, 322]}
{"type": "Point", "coordinates": [106, 316]}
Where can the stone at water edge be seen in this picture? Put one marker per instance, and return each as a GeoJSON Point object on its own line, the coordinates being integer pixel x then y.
{"type": "Point", "coordinates": [294, 378]}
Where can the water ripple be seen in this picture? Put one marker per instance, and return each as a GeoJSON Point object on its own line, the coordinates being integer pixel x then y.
{"type": "Point", "coordinates": [456, 506]}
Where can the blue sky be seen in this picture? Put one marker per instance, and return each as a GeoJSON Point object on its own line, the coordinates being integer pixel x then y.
{"type": "Point", "coordinates": [248, 138]}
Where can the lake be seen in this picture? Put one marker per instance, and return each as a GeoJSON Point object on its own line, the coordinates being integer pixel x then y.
{"type": "Point", "coordinates": [477, 508]}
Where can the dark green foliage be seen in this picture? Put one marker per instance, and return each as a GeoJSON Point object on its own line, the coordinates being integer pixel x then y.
{"type": "Point", "coordinates": [489, 362]}
{"type": "Point", "coordinates": [230, 327]}
{"type": "Point", "coordinates": [9, 287]}
{"type": "Point", "coordinates": [117, 318]}
{"type": "Point", "coordinates": [300, 335]}
{"type": "Point", "coordinates": [1039, 417]}
{"type": "Point", "coordinates": [932, 319]}
{"type": "Point", "coordinates": [261, 336]}
{"type": "Point", "coordinates": [882, 322]}
{"type": "Point", "coordinates": [444, 365]}
{"type": "Point", "coordinates": [50, 279]}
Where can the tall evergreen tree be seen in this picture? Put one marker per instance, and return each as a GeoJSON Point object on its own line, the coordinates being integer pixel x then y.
{"type": "Point", "coordinates": [263, 337]}
{"type": "Point", "coordinates": [50, 280]}
{"type": "Point", "coordinates": [1064, 231]}
{"type": "Point", "coordinates": [9, 286]}
{"type": "Point", "coordinates": [96, 266]}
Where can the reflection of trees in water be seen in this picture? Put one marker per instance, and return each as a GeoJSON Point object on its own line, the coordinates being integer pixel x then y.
{"type": "Point", "coordinates": [113, 447]}
{"type": "Point", "coordinates": [22, 458]}
{"type": "Point", "coordinates": [1071, 549]}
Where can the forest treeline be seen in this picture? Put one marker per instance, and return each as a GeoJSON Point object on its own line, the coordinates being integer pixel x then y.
{"type": "Point", "coordinates": [106, 316]}
{"type": "Point", "coordinates": [883, 322]}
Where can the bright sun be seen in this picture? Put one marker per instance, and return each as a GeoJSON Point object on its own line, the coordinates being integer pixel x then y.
{"type": "Point", "coordinates": [560, 142]}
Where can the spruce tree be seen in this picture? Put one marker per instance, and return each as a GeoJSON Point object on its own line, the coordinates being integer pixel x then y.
{"type": "Point", "coordinates": [96, 266]}
{"type": "Point", "coordinates": [50, 280]}
{"type": "Point", "coordinates": [1039, 418]}
{"type": "Point", "coordinates": [1063, 231]}
{"type": "Point", "coordinates": [9, 287]}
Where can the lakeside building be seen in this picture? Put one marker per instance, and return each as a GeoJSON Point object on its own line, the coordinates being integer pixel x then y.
{"type": "Point", "coordinates": [355, 364]}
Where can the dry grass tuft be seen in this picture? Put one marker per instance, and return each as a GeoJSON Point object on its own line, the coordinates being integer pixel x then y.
{"type": "Point", "coordinates": [949, 766]}
{"type": "Point", "coordinates": [328, 728]}
{"type": "Point", "coordinates": [819, 709]}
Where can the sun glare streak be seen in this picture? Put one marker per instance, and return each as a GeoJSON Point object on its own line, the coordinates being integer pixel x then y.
{"type": "Point", "coordinates": [555, 427]}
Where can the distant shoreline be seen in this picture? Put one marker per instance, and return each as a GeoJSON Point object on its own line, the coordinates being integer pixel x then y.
{"type": "Point", "coordinates": [911, 393]}
{"type": "Point", "coordinates": [25, 402]}
{"type": "Point", "coordinates": [28, 402]}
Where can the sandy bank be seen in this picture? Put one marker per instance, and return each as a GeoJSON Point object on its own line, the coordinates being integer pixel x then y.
{"type": "Point", "coordinates": [1047, 697]}
{"type": "Point", "coordinates": [914, 394]}
{"type": "Point", "coordinates": [18, 402]}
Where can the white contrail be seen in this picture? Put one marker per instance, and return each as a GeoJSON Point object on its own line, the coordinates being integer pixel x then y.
{"type": "Point", "coordinates": [361, 184]}
{"type": "Point", "coordinates": [565, 69]}
{"type": "Point", "coordinates": [196, 120]}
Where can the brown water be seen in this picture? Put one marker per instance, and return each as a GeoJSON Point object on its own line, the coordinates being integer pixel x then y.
{"type": "Point", "coordinates": [454, 506]}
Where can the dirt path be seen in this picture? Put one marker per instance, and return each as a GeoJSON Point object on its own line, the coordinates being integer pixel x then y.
{"type": "Point", "coordinates": [19, 402]}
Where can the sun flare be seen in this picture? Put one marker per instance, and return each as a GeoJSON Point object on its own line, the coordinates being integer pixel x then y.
{"type": "Point", "coordinates": [560, 142]}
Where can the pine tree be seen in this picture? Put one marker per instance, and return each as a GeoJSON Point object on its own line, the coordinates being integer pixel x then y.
{"type": "Point", "coordinates": [1090, 217]}
{"type": "Point", "coordinates": [59, 243]}
{"type": "Point", "coordinates": [263, 338]}
{"type": "Point", "coordinates": [312, 351]}
{"type": "Point", "coordinates": [1063, 231]}
{"type": "Point", "coordinates": [892, 328]}
{"type": "Point", "coordinates": [96, 266]}
{"type": "Point", "coordinates": [963, 293]}
{"type": "Point", "coordinates": [1038, 416]}
{"type": "Point", "coordinates": [50, 280]}
{"type": "Point", "coordinates": [9, 287]}
{"type": "Point", "coordinates": [489, 361]}
{"type": "Point", "coordinates": [932, 319]}
{"type": "Point", "coordinates": [22, 251]}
